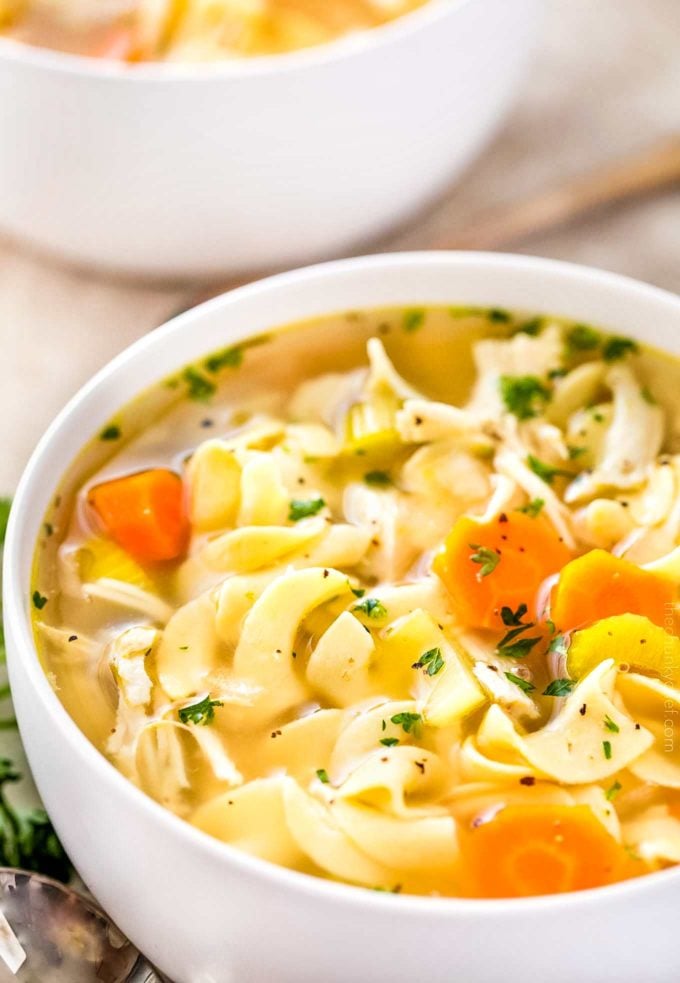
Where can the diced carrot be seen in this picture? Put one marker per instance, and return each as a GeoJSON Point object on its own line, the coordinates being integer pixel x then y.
{"type": "Point", "coordinates": [542, 849]}
{"type": "Point", "coordinates": [520, 552]}
{"type": "Point", "coordinates": [144, 513]}
{"type": "Point", "coordinates": [598, 585]}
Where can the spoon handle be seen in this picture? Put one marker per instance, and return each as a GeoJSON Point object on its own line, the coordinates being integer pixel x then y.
{"type": "Point", "coordinates": [653, 170]}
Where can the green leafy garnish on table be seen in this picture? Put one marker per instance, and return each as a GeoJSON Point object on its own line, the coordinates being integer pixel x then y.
{"type": "Point", "coordinates": [27, 837]}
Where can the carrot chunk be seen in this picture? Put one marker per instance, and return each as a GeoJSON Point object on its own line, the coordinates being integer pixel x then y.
{"type": "Point", "coordinates": [598, 585]}
{"type": "Point", "coordinates": [144, 513]}
{"type": "Point", "coordinates": [541, 849]}
{"type": "Point", "coordinates": [486, 566]}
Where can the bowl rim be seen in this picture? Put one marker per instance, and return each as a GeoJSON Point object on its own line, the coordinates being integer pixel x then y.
{"type": "Point", "coordinates": [22, 643]}
{"type": "Point", "coordinates": [338, 50]}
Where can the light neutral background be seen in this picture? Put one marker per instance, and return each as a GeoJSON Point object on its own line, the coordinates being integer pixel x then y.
{"type": "Point", "coordinates": [604, 82]}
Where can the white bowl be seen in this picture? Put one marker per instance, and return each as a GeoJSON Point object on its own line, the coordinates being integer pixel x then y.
{"type": "Point", "coordinates": [209, 914]}
{"type": "Point", "coordinates": [199, 170]}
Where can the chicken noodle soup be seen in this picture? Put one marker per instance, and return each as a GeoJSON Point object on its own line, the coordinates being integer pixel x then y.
{"type": "Point", "coordinates": [191, 30]}
{"type": "Point", "coordinates": [389, 598]}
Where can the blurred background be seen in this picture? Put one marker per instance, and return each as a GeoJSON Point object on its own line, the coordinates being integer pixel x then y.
{"type": "Point", "coordinates": [604, 84]}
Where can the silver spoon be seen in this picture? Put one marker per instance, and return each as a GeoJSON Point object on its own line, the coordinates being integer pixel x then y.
{"type": "Point", "coordinates": [51, 934]}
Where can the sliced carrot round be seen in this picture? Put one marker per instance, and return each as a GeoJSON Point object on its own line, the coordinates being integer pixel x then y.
{"type": "Point", "coordinates": [486, 566]}
{"type": "Point", "coordinates": [144, 513]}
{"type": "Point", "coordinates": [599, 585]}
{"type": "Point", "coordinates": [541, 849]}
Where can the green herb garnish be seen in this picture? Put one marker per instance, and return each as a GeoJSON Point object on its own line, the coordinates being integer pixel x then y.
{"type": "Point", "coordinates": [523, 684]}
{"type": "Point", "coordinates": [575, 452]}
{"type": "Point", "coordinates": [226, 358]}
{"type": "Point", "coordinates": [39, 600]}
{"type": "Point", "coordinates": [613, 791]}
{"type": "Point", "coordinates": [199, 387]}
{"type": "Point", "coordinates": [611, 725]}
{"type": "Point", "coordinates": [523, 395]}
{"type": "Point", "coordinates": [357, 591]}
{"type": "Point", "coordinates": [607, 748]}
{"type": "Point", "coordinates": [431, 661]}
{"type": "Point", "coordinates": [510, 617]}
{"type": "Point", "coordinates": [517, 649]}
{"type": "Point", "coordinates": [487, 559]}
{"type": "Point", "coordinates": [301, 508]}
{"type": "Point", "coordinates": [112, 432]}
{"type": "Point", "coordinates": [546, 472]}
{"type": "Point", "coordinates": [648, 395]}
{"type": "Point", "coordinates": [378, 479]}
{"type": "Point", "coordinates": [413, 319]}
{"type": "Point", "coordinates": [372, 608]}
{"type": "Point", "coordinates": [499, 316]}
{"type": "Point", "coordinates": [411, 722]}
{"type": "Point", "coordinates": [532, 508]}
{"type": "Point", "coordinates": [322, 775]}
{"type": "Point", "coordinates": [559, 687]}
{"type": "Point", "coordinates": [532, 327]}
{"type": "Point", "coordinates": [389, 741]}
{"type": "Point", "coordinates": [200, 713]}
{"type": "Point", "coordinates": [616, 347]}
{"type": "Point", "coordinates": [583, 338]}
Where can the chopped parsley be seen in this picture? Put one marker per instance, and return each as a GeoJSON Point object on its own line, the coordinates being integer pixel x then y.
{"type": "Point", "coordinates": [487, 559]}
{"type": "Point", "coordinates": [226, 358]}
{"type": "Point", "coordinates": [499, 316]}
{"type": "Point", "coordinates": [389, 741]}
{"type": "Point", "coordinates": [583, 338]}
{"type": "Point", "coordinates": [39, 600]}
{"type": "Point", "coordinates": [559, 687]}
{"type": "Point", "coordinates": [532, 327]}
{"type": "Point", "coordinates": [616, 347]}
{"type": "Point", "coordinates": [607, 748]}
{"type": "Point", "coordinates": [575, 451]}
{"type": "Point", "coordinates": [523, 395]}
{"type": "Point", "coordinates": [413, 319]}
{"type": "Point", "coordinates": [302, 508]}
{"type": "Point", "coordinates": [431, 662]}
{"type": "Point", "coordinates": [533, 508]}
{"type": "Point", "coordinates": [322, 775]}
{"type": "Point", "coordinates": [523, 684]}
{"type": "Point", "coordinates": [546, 472]}
{"type": "Point", "coordinates": [199, 387]}
{"type": "Point", "coordinates": [112, 432]}
{"type": "Point", "coordinates": [611, 725]}
{"type": "Point", "coordinates": [411, 722]}
{"type": "Point", "coordinates": [357, 591]}
{"type": "Point", "coordinates": [613, 791]}
{"type": "Point", "coordinates": [199, 713]}
{"type": "Point", "coordinates": [517, 649]}
{"type": "Point", "coordinates": [378, 479]}
{"type": "Point", "coordinates": [372, 608]}
{"type": "Point", "coordinates": [510, 617]}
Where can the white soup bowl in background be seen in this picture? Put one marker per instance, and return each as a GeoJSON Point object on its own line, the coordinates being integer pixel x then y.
{"type": "Point", "coordinates": [173, 170]}
{"type": "Point", "coordinates": [201, 910]}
